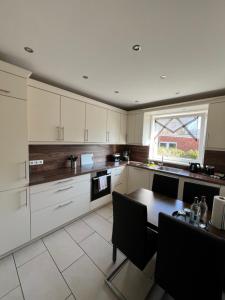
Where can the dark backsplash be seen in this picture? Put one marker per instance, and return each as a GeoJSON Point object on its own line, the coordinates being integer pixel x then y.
{"type": "Point", "coordinates": [55, 156]}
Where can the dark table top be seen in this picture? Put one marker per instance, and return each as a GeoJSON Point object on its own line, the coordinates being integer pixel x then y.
{"type": "Point", "coordinates": [157, 203]}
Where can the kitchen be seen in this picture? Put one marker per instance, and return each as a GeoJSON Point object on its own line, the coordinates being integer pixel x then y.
{"type": "Point", "coordinates": [68, 147]}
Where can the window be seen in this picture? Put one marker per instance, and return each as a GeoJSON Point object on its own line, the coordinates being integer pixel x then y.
{"type": "Point", "coordinates": [178, 137]}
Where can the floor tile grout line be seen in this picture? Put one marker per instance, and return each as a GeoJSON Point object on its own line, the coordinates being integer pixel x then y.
{"type": "Point", "coordinates": [99, 233]}
{"type": "Point", "coordinates": [82, 239]}
{"type": "Point", "coordinates": [31, 259]}
{"type": "Point", "coordinates": [18, 277]}
{"type": "Point", "coordinates": [105, 275]}
{"type": "Point", "coordinates": [59, 270]}
{"type": "Point", "coordinates": [10, 291]}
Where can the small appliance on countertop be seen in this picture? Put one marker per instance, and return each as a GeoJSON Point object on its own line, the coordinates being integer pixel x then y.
{"type": "Point", "coordinates": [116, 157]}
{"type": "Point", "coordinates": [86, 159]}
{"type": "Point", "coordinates": [126, 156]}
{"type": "Point", "coordinates": [195, 167]}
{"type": "Point", "coordinates": [209, 170]}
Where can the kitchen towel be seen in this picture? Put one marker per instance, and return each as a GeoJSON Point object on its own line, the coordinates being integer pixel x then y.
{"type": "Point", "coordinates": [102, 183]}
{"type": "Point", "coordinates": [218, 212]}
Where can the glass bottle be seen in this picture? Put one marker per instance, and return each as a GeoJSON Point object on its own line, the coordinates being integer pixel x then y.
{"type": "Point", "coordinates": [195, 212]}
{"type": "Point", "coordinates": [203, 209]}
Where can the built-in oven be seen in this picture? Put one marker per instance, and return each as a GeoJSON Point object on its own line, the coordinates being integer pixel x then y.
{"type": "Point", "coordinates": [100, 184]}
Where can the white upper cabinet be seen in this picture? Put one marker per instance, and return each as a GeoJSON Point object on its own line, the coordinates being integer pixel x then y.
{"type": "Point", "coordinates": [113, 127]}
{"type": "Point", "coordinates": [14, 148]}
{"type": "Point", "coordinates": [216, 126]}
{"type": "Point", "coordinates": [96, 119]}
{"type": "Point", "coordinates": [135, 128]}
{"type": "Point", "coordinates": [123, 129]}
{"type": "Point", "coordinates": [43, 116]}
{"type": "Point", "coordinates": [13, 86]}
{"type": "Point", "coordinates": [72, 120]}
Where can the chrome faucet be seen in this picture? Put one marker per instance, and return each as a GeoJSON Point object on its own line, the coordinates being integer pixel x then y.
{"type": "Point", "coordinates": [161, 163]}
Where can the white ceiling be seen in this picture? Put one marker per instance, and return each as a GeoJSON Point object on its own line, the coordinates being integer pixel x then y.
{"type": "Point", "coordinates": [183, 39]}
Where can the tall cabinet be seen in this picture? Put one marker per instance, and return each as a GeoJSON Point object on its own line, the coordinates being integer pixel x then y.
{"type": "Point", "coordinates": [14, 204]}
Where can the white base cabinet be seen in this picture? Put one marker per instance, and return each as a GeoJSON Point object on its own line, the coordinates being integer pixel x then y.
{"type": "Point", "coordinates": [56, 203]}
{"type": "Point", "coordinates": [14, 219]}
{"type": "Point", "coordinates": [137, 178]}
{"type": "Point", "coordinates": [119, 180]}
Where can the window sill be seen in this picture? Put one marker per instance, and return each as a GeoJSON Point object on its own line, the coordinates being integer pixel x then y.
{"type": "Point", "coordinates": [172, 162]}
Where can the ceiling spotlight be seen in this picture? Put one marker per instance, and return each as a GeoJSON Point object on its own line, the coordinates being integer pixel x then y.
{"type": "Point", "coordinates": [116, 92]}
{"type": "Point", "coordinates": [136, 101]}
{"type": "Point", "coordinates": [85, 77]}
{"type": "Point", "coordinates": [177, 93]}
{"type": "Point", "coordinates": [163, 76]}
{"type": "Point", "coordinates": [136, 48]}
{"type": "Point", "coordinates": [28, 49]}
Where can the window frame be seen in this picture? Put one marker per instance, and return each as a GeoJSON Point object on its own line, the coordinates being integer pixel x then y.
{"type": "Point", "coordinates": [202, 138]}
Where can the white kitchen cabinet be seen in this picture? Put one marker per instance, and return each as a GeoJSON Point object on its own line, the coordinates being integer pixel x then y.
{"type": "Point", "coordinates": [216, 125]}
{"type": "Point", "coordinates": [72, 120]}
{"type": "Point", "coordinates": [113, 127]}
{"type": "Point", "coordinates": [123, 129]}
{"type": "Point", "coordinates": [119, 180]}
{"type": "Point", "coordinates": [96, 119]}
{"type": "Point", "coordinates": [14, 148]}
{"type": "Point", "coordinates": [135, 128]}
{"type": "Point", "coordinates": [56, 203]}
{"type": "Point", "coordinates": [137, 178]}
{"type": "Point", "coordinates": [12, 85]}
{"type": "Point", "coordinates": [14, 219]}
{"type": "Point", "coordinates": [43, 116]}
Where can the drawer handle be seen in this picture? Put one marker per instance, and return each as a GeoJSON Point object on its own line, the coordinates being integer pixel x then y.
{"type": "Point", "coordinates": [63, 205]}
{"type": "Point", "coordinates": [66, 189]}
{"type": "Point", "coordinates": [65, 181]}
{"type": "Point", "coordinates": [4, 91]}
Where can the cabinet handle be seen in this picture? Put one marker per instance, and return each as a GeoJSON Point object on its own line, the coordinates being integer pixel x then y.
{"type": "Point", "coordinates": [4, 91]}
{"type": "Point", "coordinates": [58, 133]}
{"type": "Point", "coordinates": [62, 133]}
{"type": "Point", "coordinates": [106, 136]}
{"type": "Point", "coordinates": [63, 205]}
{"type": "Point", "coordinates": [60, 182]}
{"type": "Point", "coordinates": [23, 203]}
{"type": "Point", "coordinates": [87, 135]}
{"type": "Point", "coordinates": [25, 169]}
{"type": "Point", "coordinates": [66, 189]}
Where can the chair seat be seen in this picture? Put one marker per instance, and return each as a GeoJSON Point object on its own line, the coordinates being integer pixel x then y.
{"type": "Point", "coordinates": [158, 293]}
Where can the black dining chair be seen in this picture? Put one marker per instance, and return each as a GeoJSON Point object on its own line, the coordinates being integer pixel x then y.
{"type": "Point", "coordinates": [192, 190]}
{"type": "Point", "coordinates": [130, 233]}
{"type": "Point", "coordinates": [189, 263]}
{"type": "Point", "coordinates": [165, 185]}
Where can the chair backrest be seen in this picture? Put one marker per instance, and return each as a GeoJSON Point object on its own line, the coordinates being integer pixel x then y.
{"type": "Point", "coordinates": [192, 190]}
{"type": "Point", "coordinates": [190, 261]}
{"type": "Point", "coordinates": [130, 228]}
{"type": "Point", "coordinates": [165, 185]}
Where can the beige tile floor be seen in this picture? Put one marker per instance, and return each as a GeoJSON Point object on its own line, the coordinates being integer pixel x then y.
{"type": "Point", "coordinates": [72, 263]}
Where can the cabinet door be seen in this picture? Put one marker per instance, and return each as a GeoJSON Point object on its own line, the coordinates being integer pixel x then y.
{"type": "Point", "coordinates": [138, 178]}
{"type": "Point", "coordinates": [14, 219]}
{"type": "Point", "coordinates": [138, 129]}
{"type": "Point", "coordinates": [123, 129]}
{"type": "Point", "coordinates": [14, 148]}
{"type": "Point", "coordinates": [43, 116]}
{"type": "Point", "coordinates": [216, 125]}
{"type": "Point", "coordinates": [96, 118]}
{"type": "Point", "coordinates": [119, 180]}
{"type": "Point", "coordinates": [130, 128]}
{"type": "Point", "coordinates": [113, 126]}
{"type": "Point", "coordinates": [72, 119]}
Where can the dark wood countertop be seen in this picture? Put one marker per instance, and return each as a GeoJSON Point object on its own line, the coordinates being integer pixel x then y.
{"type": "Point", "coordinates": [63, 173]}
{"type": "Point", "coordinates": [178, 172]}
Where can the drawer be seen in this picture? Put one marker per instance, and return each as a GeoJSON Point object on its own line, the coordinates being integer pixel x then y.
{"type": "Point", "coordinates": [13, 86]}
{"type": "Point", "coordinates": [59, 183]}
{"type": "Point", "coordinates": [52, 217]}
{"type": "Point", "coordinates": [60, 194]}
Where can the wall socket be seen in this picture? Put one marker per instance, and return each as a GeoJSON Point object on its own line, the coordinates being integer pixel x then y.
{"type": "Point", "coordinates": [36, 162]}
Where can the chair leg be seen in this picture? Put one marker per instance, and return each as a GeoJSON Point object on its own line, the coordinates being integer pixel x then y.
{"type": "Point", "coordinates": [114, 254]}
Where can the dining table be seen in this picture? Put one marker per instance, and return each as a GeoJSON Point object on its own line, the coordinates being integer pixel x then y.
{"type": "Point", "coordinates": [157, 203]}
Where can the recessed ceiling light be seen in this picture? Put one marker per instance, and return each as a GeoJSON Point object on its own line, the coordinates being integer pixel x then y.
{"type": "Point", "coordinates": [177, 93]}
{"type": "Point", "coordinates": [28, 49]}
{"type": "Point", "coordinates": [136, 101]}
{"type": "Point", "coordinates": [116, 92]}
{"type": "Point", "coordinates": [136, 47]}
{"type": "Point", "coordinates": [163, 76]}
{"type": "Point", "coordinates": [85, 77]}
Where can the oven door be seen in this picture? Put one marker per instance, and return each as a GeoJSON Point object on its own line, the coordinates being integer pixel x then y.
{"type": "Point", "coordinates": [95, 191]}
